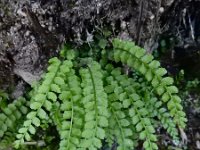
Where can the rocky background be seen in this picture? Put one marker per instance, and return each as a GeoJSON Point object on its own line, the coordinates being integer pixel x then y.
{"type": "Point", "coordinates": [32, 31]}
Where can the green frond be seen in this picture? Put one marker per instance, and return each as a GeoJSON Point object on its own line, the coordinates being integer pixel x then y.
{"type": "Point", "coordinates": [136, 58]}
{"type": "Point", "coordinates": [72, 114]}
{"type": "Point", "coordinates": [139, 119]}
{"type": "Point", "coordinates": [95, 105]}
{"type": "Point", "coordinates": [43, 98]}
{"type": "Point", "coordinates": [11, 115]}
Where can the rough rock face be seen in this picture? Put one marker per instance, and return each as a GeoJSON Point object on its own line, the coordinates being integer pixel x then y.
{"type": "Point", "coordinates": [31, 31]}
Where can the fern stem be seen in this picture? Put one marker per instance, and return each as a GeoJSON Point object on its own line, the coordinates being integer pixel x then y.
{"type": "Point", "coordinates": [71, 124]}
{"type": "Point", "coordinates": [123, 137]}
{"type": "Point", "coordinates": [95, 98]}
{"type": "Point", "coordinates": [140, 118]}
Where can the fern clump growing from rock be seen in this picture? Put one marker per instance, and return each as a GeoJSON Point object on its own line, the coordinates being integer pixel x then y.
{"type": "Point", "coordinates": [91, 100]}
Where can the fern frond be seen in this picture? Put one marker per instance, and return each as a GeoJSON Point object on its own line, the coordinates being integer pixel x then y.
{"type": "Point", "coordinates": [56, 115]}
{"type": "Point", "coordinates": [136, 58]}
{"type": "Point", "coordinates": [119, 122]}
{"type": "Point", "coordinates": [140, 119]}
{"type": "Point", "coordinates": [95, 106]}
{"type": "Point", "coordinates": [43, 98]}
{"type": "Point", "coordinates": [155, 107]}
{"type": "Point", "coordinates": [7, 141]}
{"type": "Point", "coordinates": [11, 115]}
{"type": "Point", "coordinates": [72, 113]}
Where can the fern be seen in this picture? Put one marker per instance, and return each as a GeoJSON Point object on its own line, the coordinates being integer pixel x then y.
{"type": "Point", "coordinates": [139, 116]}
{"type": "Point", "coordinates": [135, 57]}
{"type": "Point", "coordinates": [42, 98]}
{"type": "Point", "coordinates": [95, 105]}
{"type": "Point", "coordinates": [89, 102]}
{"type": "Point", "coordinates": [11, 114]}
{"type": "Point", "coordinates": [72, 116]}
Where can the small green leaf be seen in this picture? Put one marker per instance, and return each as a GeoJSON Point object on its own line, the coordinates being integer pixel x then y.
{"type": "Point", "coordinates": [66, 125]}
{"type": "Point", "coordinates": [36, 121]}
{"type": "Point", "coordinates": [55, 88]}
{"type": "Point", "coordinates": [31, 115]}
{"type": "Point", "coordinates": [142, 69]}
{"type": "Point", "coordinates": [64, 69]}
{"type": "Point", "coordinates": [23, 109]}
{"type": "Point", "coordinates": [131, 112]}
{"type": "Point", "coordinates": [67, 115]}
{"type": "Point", "coordinates": [22, 130]}
{"type": "Point", "coordinates": [54, 60]}
{"type": "Point", "coordinates": [90, 124]}
{"type": "Point", "coordinates": [52, 96]}
{"type": "Point", "coordinates": [140, 52]}
{"type": "Point", "coordinates": [167, 81]}
{"type": "Point", "coordinates": [147, 58]}
{"type": "Point", "coordinates": [39, 97]}
{"type": "Point", "coordinates": [155, 82]}
{"type": "Point", "coordinates": [7, 111]}
{"type": "Point", "coordinates": [102, 121]}
{"type": "Point", "coordinates": [165, 97]}
{"type": "Point", "coordinates": [70, 54]}
{"type": "Point", "coordinates": [35, 105]}
{"type": "Point", "coordinates": [17, 143]}
{"type": "Point", "coordinates": [126, 103]}
{"type": "Point", "coordinates": [97, 143]}
{"type": "Point", "coordinates": [172, 89]}
{"type": "Point", "coordinates": [48, 105]}
{"type": "Point", "coordinates": [139, 127]}
{"type": "Point", "coordinates": [146, 121]}
{"type": "Point", "coordinates": [128, 132]}
{"type": "Point", "coordinates": [150, 129]}
{"type": "Point", "coordinates": [154, 64]}
{"type": "Point", "coordinates": [161, 72]}
{"type": "Point", "coordinates": [154, 146]}
{"type": "Point", "coordinates": [88, 133]}
{"type": "Point", "coordinates": [146, 145]}
{"type": "Point", "coordinates": [75, 141]}
{"type": "Point", "coordinates": [170, 105]}
{"type": "Point", "coordinates": [102, 43]}
{"type": "Point", "coordinates": [139, 103]}
{"type": "Point", "coordinates": [100, 133]}
{"type": "Point", "coordinates": [65, 95]}
{"type": "Point", "coordinates": [149, 75]}
{"type": "Point", "coordinates": [43, 89]}
{"type": "Point", "coordinates": [135, 120]}
{"type": "Point", "coordinates": [3, 117]}
{"type": "Point", "coordinates": [59, 81]}
{"type": "Point", "coordinates": [86, 143]}
{"type": "Point", "coordinates": [19, 136]}
{"type": "Point", "coordinates": [1, 133]}
{"type": "Point", "coordinates": [160, 90]}
{"type": "Point", "coordinates": [124, 122]}
{"type": "Point", "coordinates": [27, 136]}
{"type": "Point", "coordinates": [42, 114]}
{"type": "Point", "coordinates": [153, 137]}
{"type": "Point", "coordinates": [32, 129]}
{"type": "Point", "coordinates": [143, 111]}
{"type": "Point", "coordinates": [143, 135]}
{"type": "Point", "coordinates": [27, 123]}
{"type": "Point", "coordinates": [128, 142]}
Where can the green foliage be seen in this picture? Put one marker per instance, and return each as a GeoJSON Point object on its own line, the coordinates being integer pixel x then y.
{"type": "Point", "coordinates": [10, 114]}
{"type": "Point", "coordinates": [90, 101]}
{"type": "Point", "coordinates": [135, 57]}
